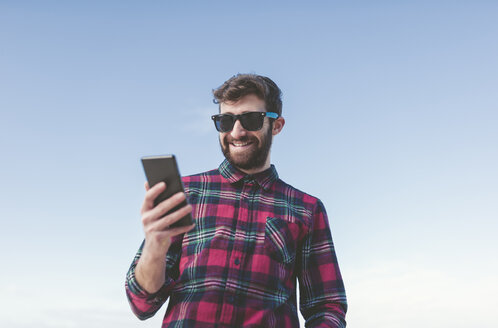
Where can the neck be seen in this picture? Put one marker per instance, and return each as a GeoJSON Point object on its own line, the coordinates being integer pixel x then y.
{"type": "Point", "coordinates": [255, 170]}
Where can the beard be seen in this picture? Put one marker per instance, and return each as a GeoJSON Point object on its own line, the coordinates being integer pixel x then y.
{"type": "Point", "coordinates": [252, 158]}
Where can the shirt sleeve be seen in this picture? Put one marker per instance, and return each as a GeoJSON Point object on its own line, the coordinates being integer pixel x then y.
{"type": "Point", "coordinates": [143, 304]}
{"type": "Point", "coordinates": [322, 294]}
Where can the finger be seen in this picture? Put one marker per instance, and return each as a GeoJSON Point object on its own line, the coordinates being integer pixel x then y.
{"type": "Point", "coordinates": [179, 230]}
{"type": "Point", "coordinates": [166, 235]}
{"type": "Point", "coordinates": [146, 186]}
{"type": "Point", "coordinates": [167, 205]}
{"type": "Point", "coordinates": [170, 219]}
{"type": "Point", "coordinates": [151, 195]}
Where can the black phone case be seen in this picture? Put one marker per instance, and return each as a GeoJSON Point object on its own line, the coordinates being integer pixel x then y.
{"type": "Point", "coordinates": [164, 168]}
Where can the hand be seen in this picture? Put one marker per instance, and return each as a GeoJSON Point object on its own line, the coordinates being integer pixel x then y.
{"type": "Point", "coordinates": [156, 226]}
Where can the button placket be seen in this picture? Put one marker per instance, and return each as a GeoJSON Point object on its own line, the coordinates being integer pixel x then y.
{"type": "Point", "coordinates": [235, 256]}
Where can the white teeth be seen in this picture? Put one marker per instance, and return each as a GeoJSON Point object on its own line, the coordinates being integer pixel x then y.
{"type": "Point", "coordinates": [240, 144]}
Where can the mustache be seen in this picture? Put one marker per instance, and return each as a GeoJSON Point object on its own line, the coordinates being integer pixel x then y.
{"type": "Point", "coordinates": [229, 139]}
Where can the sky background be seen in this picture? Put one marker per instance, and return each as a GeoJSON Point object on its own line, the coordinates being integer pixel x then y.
{"type": "Point", "coordinates": [391, 120]}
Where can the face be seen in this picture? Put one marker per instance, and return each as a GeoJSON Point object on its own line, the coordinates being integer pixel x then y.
{"type": "Point", "coordinates": [247, 150]}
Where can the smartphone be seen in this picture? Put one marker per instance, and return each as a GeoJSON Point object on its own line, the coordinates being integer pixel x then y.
{"type": "Point", "coordinates": [164, 168]}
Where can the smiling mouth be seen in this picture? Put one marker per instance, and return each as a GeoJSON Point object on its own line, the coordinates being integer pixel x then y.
{"type": "Point", "coordinates": [240, 144]}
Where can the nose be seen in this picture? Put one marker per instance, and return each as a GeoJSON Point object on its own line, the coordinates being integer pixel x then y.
{"type": "Point", "coordinates": [238, 131]}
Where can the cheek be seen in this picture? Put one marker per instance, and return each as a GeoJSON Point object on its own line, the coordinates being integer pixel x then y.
{"type": "Point", "coordinates": [223, 139]}
{"type": "Point", "coordinates": [265, 133]}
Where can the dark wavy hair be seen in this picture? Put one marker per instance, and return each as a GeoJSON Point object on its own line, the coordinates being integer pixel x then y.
{"type": "Point", "coordinates": [241, 85]}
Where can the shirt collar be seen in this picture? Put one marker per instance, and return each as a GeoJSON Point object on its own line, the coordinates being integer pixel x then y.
{"type": "Point", "coordinates": [265, 179]}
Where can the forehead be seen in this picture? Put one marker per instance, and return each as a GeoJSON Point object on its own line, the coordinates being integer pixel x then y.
{"type": "Point", "coordinates": [249, 103]}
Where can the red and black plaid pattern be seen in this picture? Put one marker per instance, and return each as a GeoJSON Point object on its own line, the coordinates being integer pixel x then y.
{"type": "Point", "coordinates": [254, 236]}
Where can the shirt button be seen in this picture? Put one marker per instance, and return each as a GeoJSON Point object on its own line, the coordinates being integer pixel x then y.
{"type": "Point", "coordinates": [237, 261]}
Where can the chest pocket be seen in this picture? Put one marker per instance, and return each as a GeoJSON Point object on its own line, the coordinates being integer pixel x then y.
{"type": "Point", "coordinates": [281, 238]}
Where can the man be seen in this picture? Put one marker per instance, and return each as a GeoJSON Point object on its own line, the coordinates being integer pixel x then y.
{"type": "Point", "coordinates": [253, 235]}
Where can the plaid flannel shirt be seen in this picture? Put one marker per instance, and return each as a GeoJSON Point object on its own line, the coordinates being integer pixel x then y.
{"type": "Point", "coordinates": [254, 236]}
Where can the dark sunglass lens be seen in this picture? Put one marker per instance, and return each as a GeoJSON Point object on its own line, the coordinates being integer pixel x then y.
{"type": "Point", "coordinates": [252, 121]}
{"type": "Point", "coordinates": [224, 123]}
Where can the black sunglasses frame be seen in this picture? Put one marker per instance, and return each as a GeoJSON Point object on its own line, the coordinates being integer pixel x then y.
{"type": "Point", "coordinates": [243, 119]}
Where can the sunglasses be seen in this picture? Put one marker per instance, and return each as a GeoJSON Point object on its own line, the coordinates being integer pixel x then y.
{"type": "Point", "coordinates": [251, 121]}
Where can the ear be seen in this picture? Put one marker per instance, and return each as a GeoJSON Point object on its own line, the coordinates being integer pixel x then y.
{"type": "Point", "coordinates": [278, 125]}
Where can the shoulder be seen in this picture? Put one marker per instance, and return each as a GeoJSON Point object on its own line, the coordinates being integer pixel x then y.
{"type": "Point", "coordinates": [198, 176]}
{"type": "Point", "coordinates": [294, 194]}
{"type": "Point", "coordinates": [300, 204]}
{"type": "Point", "coordinates": [200, 180]}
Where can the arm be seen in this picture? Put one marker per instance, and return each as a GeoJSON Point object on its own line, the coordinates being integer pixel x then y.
{"type": "Point", "coordinates": [145, 304]}
{"type": "Point", "coordinates": [152, 273]}
{"type": "Point", "coordinates": [322, 294]}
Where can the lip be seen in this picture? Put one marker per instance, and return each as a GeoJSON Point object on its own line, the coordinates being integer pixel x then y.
{"type": "Point", "coordinates": [240, 146]}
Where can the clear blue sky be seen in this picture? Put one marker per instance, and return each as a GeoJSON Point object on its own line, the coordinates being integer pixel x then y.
{"type": "Point", "coordinates": [392, 115]}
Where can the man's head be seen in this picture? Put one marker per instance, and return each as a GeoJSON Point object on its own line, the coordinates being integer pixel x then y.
{"type": "Point", "coordinates": [246, 145]}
